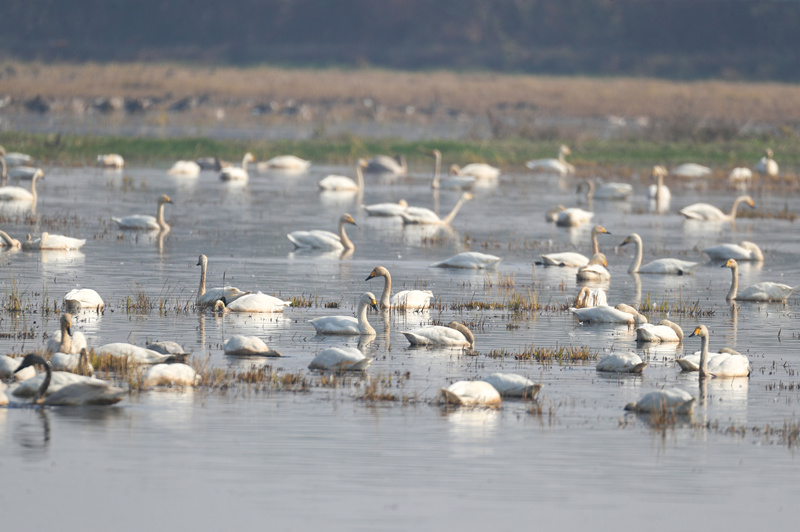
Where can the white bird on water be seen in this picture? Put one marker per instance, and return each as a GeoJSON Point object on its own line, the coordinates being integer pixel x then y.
{"type": "Point", "coordinates": [558, 166]}
{"type": "Point", "coordinates": [348, 325]}
{"type": "Point", "coordinates": [145, 222]}
{"type": "Point", "coordinates": [405, 299]}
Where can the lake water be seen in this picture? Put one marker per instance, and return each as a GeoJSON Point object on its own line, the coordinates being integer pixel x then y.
{"type": "Point", "coordinates": [215, 459]}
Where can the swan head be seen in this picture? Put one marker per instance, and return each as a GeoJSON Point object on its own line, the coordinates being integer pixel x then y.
{"type": "Point", "coordinates": [249, 157]}
{"type": "Point", "coordinates": [700, 331]}
{"type": "Point", "coordinates": [768, 153]}
{"type": "Point", "coordinates": [582, 298]}
{"type": "Point", "coordinates": [202, 261]}
{"type": "Point", "coordinates": [454, 169]}
{"type": "Point", "coordinates": [362, 163]}
{"type": "Point", "coordinates": [466, 196]}
{"type": "Point", "coordinates": [749, 201]}
{"type": "Point", "coordinates": [730, 263]}
{"type": "Point", "coordinates": [600, 230]}
{"type": "Point", "coordinates": [368, 298]}
{"type": "Point", "coordinates": [31, 359]}
{"type": "Point", "coordinates": [658, 170]}
{"type": "Point", "coordinates": [564, 150]}
{"type": "Point", "coordinates": [66, 322]}
{"type": "Point", "coordinates": [380, 271]}
{"type": "Point", "coordinates": [164, 199]}
{"type": "Point", "coordinates": [599, 258]}
{"type": "Point", "coordinates": [631, 238]}
{"type": "Point", "coordinates": [435, 153]}
{"type": "Point", "coordinates": [460, 327]}
{"type": "Point", "coordinates": [347, 219]}
{"type": "Point", "coordinates": [403, 203]}
{"type": "Point", "coordinates": [753, 248]}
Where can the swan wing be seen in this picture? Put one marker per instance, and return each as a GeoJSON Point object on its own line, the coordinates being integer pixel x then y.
{"type": "Point", "coordinates": [469, 260]}
{"type": "Point", "coordinates": [565, 258]}
{"type": "Point", "coordinates": [335, 325]}
{"type": "Point", "coordinates": [703, 211]}
{"type": "Point", "coordinates": [602, 315]}
{"type": "Point", "coordinates": [436, 335]}
{"type": "Point", "coordinates": [316, 239]}
{"type": "Point", "coordinates": [15, 194]}
{"type": "Point", "coordinates": [766, 291]}
{"type": "Point", "coordinates": [337, 182]}
{"type": "Point", "coordinates": [614, 191]}
{"type": "Point", "coordinates": [340, 359]}
{"type": "Point", "coordinates": [411, 299]}
{"type": "Point", "coordinates": [258, 303]}
{"type": "Point", "coordinates": [480, 171]}
{"type": "Point", "coordinates": [170, 375]}
{"type": "Point", "coordinates": [621, 363]}
{"type": "Point", "coordinates": [512, 385]}
{"type": "Point", "coordinates": [90, 392]}
{"type": "Point", "coordinates": [470, 393]}
{"type": "Point", "coordinates": [137, 221]}
{"type": "Point", "coordinates": [670, 267]}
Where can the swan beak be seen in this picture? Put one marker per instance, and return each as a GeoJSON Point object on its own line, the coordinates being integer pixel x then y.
{"type": "Point", "coordinates": [69, 331]}
{"type": "Point", "coordinates": [626, 242]}
{"type": "Point", "coordinates": [371, 276]}
{"type": "Point", "coordinates": [695, 332]}
{"type": "Point", "coordinates": [374, 305]}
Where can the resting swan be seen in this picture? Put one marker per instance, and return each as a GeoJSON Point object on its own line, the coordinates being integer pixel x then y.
{"type": "Point", "coordinates": [558, 166]}
{"type": "Point", "coordinates": [137, 355]}
{"type": "Point", "coordinates": [285, 162]}
{"type": "Point", "coordinates": [621, 314]}
{"type": "Point", "coordinates": [83, 299]}
{"type": "Point", "coordinates": [111, 160]}
{"type": "Point", "coordinates": [764, 291]}
{"type": "Point", "coordinates": [513, 385]}
{"type": "Point", "coordinates": [691, 170]}
{"type": "Point", "coordinates": [212, 295]}
{"type": "Point", "coordinates": [573, 217]}
{"type": "Point", "coordinates": [706, 212]}
{"type": "Point", "coordinates": [53, 242]}
{"type": "Point", "coordinates": [386, 209]}
{"type": "Point", "coordinates": [237, 173]}
{"type": "Point", "coordinates": [621, 363]}
{"type": "Point", "coordinates": [19, 193]}
{"type": "Point", "coordinates": [606, 191]}
{"type": "Point", "coordinates": [15, 158]}
{"type": "Point", "coordinates": [767, 165]}
{"type": "Point", "coordinates": [185, 168]}
{"type": "Point", "coordinates": [674, 400]}
{"type": "Point", "coordinates": [665, 331]}
{"type": "Point", "coordinates": [588, 298]}
{"type": "Point", "coordinates": [252, 303]}
{"type": "Point", "coordinates": [692, 362]}
{"type": "Point", "coordinates": [65, 340]}
{"type": "Point", "coordinates": [171, 375]}
{"type": "Point", "coordinates": [453, 182]}
{"type": "Point", "coordinates": [8, 368]}
{"type": "Point", "coordinates": [477, 170]}
{"type": "Point", "coordinates": [83, 392]}
{"type": "Point", "coordinates": [347, 324]}
{"type": "Point", "coordinates": [406, 299]}
{"type": "Point", "coordinates": [341, 183]}
{"type": "Point", "coordinates": [744, 250]}
{"type": "Point", "coordinates": [469, 260]}
{"type": "Point", "coordinates": [383, 164]}
{"type": "Point", "coordinates": [239, 345]}
{"type": "Point", "coordinates": [660, 266]}
{"type": "Point", "coordinates": [469, 393]}
{"type": "Point", "coordinates": [722, 364]}
{"type": "Point", "coordinates": [146, 222]}
{"type": "Point", "coordinates": [340, 359]}
{"type": "Point", "coordinates": [72, 363]}
{"type": "Point", "coordinates": [318, 239]}
{"type": "Point", "coordinates": [420, 215]}
{"type": "Point", "coordinates": [453, 335]}
{"type": "Point", "coordinates": [572, 259]}
{"type": "Point", "coordinates": [659, 192]}
{"type": "Point", "coordinates": [596, 270]}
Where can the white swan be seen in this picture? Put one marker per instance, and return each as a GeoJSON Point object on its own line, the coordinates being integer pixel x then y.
{"type": "Point", "coordinates": [744, 250]}
{"type": "Point", "coordinates": [23, 172]}
{"type": "Point", "coordinates": [340, 182]}
{"type": "Point", "coordinates": [284, 162]}
{"type": "Point", "coordinates": [318, 239]}
{"type": "Point", "coordinates": [111, 160]}
{"type": "Point", "coordinates": [420, 215]}
{"type": "Point", "coordinates": [7, 241]}
{"type": "Point", "coordinates": [134, 354]}
{"type": "Point", "coordinates": [383, 164]}
{"type": "Point", "coordinates": [347, 324]}
{"type": "Point", "coordinates": [83, 299]}
{"type": "Point", "coordinates": [8, 368]}
{"type": "Point", "coordinates": [606, 191]}
{"type": "Point", "coordinates": [85, 391]}
{"type": "Point", "coordinates": [146, 222]}
{"type": "Point", "coordinates": [558, 166]}
{"type": "Point", "coordinates": [608, 314]}
{"type": "Point", "coordinates": [477, 170]}
{"type": "Point", "coordinates": [572, 259]}
{"type": "Point", "coordinates": [740, 177]}
{"type": "Point", "coordinates": [237, 173]}
{"type": "Point", "coordinates": [65, 340]}
{"type": "Point", "coordinates": [15, 158]}
{"type": "Point", "coordinates": [665, 331]}
{"type": "Point", "coordinates": [386, 209]}
{"type": "Point", "coordinates": [58, 380]}
{"type": "Point", "coordinates": [573, 217]}
{"type": "Point", "coordinates": [405, 299]}
{"type": "Point", "coordinates": [706, 212]}
{"type": "Point", "coordinates": [513, 385]}
{"type": "Point", "coordinates": [19, 193]}
{"type": "Point", "coordinates": [588, 298]}
{"type": "Point", "coordinates": [691, 170]}
{"type": "Point", "coordinates": [552, 214]}
{"type": "Point", "coordinates": [184, 168]}
{"type": "Point", "coordinates": [168, 347]}
{"type": "Point", "coordinates": [171, 375]}
{"type": "Point", "coordinates": [212, 295]}
{"type": "Point", "coordinates": [672, 400]}
{"type": "Point", "coordinates": [340, 359]}
{"type": "Point", "coordinates": [469, 393]}
{"type": "Point", "coordinates": [239, 345]}
{"type": "Point", "coordinates": [767, 165]}
{"type": "Point", "coordinates": [453, 182]}
{"type": "Point", "coordinates": [660, 266]}
{"type": "Point", "coordinates": [723, 364]}
{"type": "Point", "coordinates": [54, 242]}
{"type": "Point", "coordinates": [617, 362]}
{"type": "Point", "coordinates": [72, 363]}
{"type": "Point", "coordinates": [469, 260]}
{"type": "Point", "coordinates": [764, 291]}
{"type": "Point", "coordinates": [659, 192]}
{"type": "Point", "coordinates": [596, 270]}
{"type": "Point", "coordinates": [253, 303]}
{"type": "Point", "coordinates": [692, 362]}
{"type": "Point", "coordinates": [453, 335]}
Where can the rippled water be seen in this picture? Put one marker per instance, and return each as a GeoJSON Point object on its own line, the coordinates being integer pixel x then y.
{"type": "Point", "coordinates": [217, 459]}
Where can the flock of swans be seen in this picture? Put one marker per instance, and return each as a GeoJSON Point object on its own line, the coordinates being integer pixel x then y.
{"type": "Point", "coordinates": [67, 379]}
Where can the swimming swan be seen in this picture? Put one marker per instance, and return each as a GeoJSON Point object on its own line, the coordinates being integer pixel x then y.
{"type": "Point", "coordinates": [383, 164]}
{"type": "Point", "coordinates": [744, 250]}
{"type": "Point", "coordinates": [572, 259]}
{"type": "Point", "coordinates": [83, 392]}
{"type": "Point", "coordinates": [513, 385]}
{"type": "Point", "coordinates": [239, 345]}
{"type": "Point", "coordinates": [406, 299]}
{"type": "Point", "coordinates": [469, 260]}
{"type": "Point", "coordinates": [573, 217]}
{"type": "Point", "coordinates": [706, 212]}
{"type": "Point", "coordinates": [724, 364]}
{"type": "Point", "coordinates": [764, 291]}
{"type": "Point", "coordinates": [171, 375]}
{"type": "Point", "coordinates": [111, 160]}
{"type": "Point", "coordinates": [340, 182]}
{"type": "Point", "coordinates": [65, 340]}
{"type": "Point", "coordinates": [453, 335]}
{"type": "Point", "coordinates": [253, 303]}
{"type": "Point", "coordinates": [7, 241]}
{"type": "Point", "coordinates": [347, 324]}
{"type": "Point", "coordinates": [558, 166]}
{"type": "Point", "coordinates": [15, 158]}
{"type": "Point", "coordinates": [136, 355]}
{"type": "Point", "coordinates": [146, 222]}
{"type": "Point", "coordinates": [659, 192]}
{"type": "Point", "coordinates": [185, 168]}
{"type": "Point", "coordinates": [469, 393]}
{"type": "Point", "coordinates": [596, 270]}
{"type": "Point", "coordinates": [660, 266]}
{"type": "Point", "coordinates": [285, 162]}
{"type": "Point", "coordinates": [19, 193]}
{"type": "Point", "coordinates": [621, 363]}
{"type": "Point", "coordinates": [386, 209]}
{"type": "Point", "coordinates": [53, 242]}
{"type": "Point", "coordinates": [72, 363]}
{"type": "Point", "coordinates": [606, 191]}
{"type": "Point", "coordinates": [665, 331]}
{"type": "Point", "coordinates": [8, 368]}
{"type": "Point", "coordinates": [767, 165]}
{"type": "Point", "coordinates": [420, 215]}
{"type": "Point", "coordinates": [212, 295]}
{"type": "Point", "coordinates": [318, 239]}
{"type": "Point", "coordinates": [608, 314]}
{"type": "Point", "coordinates": [477, 170]}
{"type": "Point", "coordinates": [237, 173]}
{"type": "Point", "coordinates": [83, 299]}
{"type": "Point", "coordinates": [673, 400]}
{"type": "Point", "coordinates": [453, 182]}
{"type": "Point", "coordinates": [691, 170]}
{"type": "Point", "coordinates": [340, 359]}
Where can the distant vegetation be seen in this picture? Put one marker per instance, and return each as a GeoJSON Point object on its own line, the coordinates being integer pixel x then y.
{"type": "Point", "coordinates": [678, 39]}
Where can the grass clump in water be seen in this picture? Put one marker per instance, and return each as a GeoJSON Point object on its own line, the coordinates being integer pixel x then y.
{"type": "Point", "coordinates": [560, 354]}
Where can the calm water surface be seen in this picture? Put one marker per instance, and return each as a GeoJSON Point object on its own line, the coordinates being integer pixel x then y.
{"type": "Point", "coordinates": [214, 459]}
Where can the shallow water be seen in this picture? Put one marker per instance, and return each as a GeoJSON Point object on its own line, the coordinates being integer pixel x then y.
{"type": "Point", "coordinates": [214, 459]}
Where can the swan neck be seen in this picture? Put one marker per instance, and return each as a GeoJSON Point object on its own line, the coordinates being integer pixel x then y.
{"type": "Point", "coordinates": [735, 207]}
{"type": "Point", "coordinates": [637, 258]}
{"type": "Point", "coordinates": [45, 384]}
{"type": "Point", "coordinates": [363, 323]}
{"type": "Point", "coordinates": [66, 339]}
{"type": "Point", "coordinates": [244, 162]}
{"type": "Point", "coordinates": [704, 356]}
{"type": "Point", "coordinates": [595, 245]}
{"type": "Point", "coordinates": [10, 242]}
{"type": "Point", "coordinates": [33, 187]}
{"type": "Point", "coordinates": [3, 172]}
{"type": "Point", "coordinates": [449, 217]}
{"type": "Point", "coordinates": [160, 217]}
{"type": "Point", "coordinates": [659, 185]}
{"type": "Point", "coordinates": [387, 291]}
{"type": "Point", "coordinates": [343, 236]}
{"type": "Point", "coordinates": [437, 169]}
{"type": "Point", "coordinates": [734, 284]}
{"type": "Point", "coordinates": [202, 289]}
{"type": "Point", "coordinates": [359, 177]}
